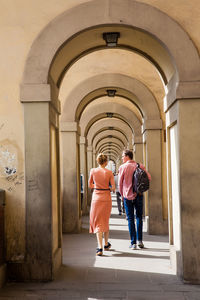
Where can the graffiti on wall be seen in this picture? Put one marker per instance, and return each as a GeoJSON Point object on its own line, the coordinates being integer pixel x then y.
{"type": "Point", "coordinates": [8, 162]}
{"type": "Point", "coordinates": [9, 169]}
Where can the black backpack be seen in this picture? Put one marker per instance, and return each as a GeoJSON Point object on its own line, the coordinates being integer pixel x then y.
{"type": "Point", "coordinates": [140, 180]}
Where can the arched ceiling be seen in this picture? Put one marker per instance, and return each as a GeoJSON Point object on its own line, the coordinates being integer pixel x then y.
{"type": "Point", "coordinates": [109, 131]}
{"type": "Point", "coordinates": [109, 123]}
{"type": "Point", "coordinates": [107, 140]}
{"type": "Point", "coordinates": [112, 61]}
{"type": "Point", "coordinates": [90, 115]}
{"type": "Point", "coordinates": [110, 144]}
{"type": "Point", "coordinates": [130, 39]}
{"type": "Point", "coordinates": [110, 148]}
{"type": "Point", "coordinates": [110, 134]}
{"type": "Point", "coordinates": [121, 97]}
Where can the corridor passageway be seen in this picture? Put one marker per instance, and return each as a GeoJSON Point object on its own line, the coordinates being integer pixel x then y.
{"type": "Point", "coordinates": [119, 274]}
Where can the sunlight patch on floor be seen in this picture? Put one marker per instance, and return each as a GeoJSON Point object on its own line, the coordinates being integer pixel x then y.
{"type": "Point", "coordinates": [154, 258]}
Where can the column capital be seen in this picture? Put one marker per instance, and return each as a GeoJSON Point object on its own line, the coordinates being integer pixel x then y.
{"type": "Point", "coordinates": [35, 93]}
{"type": "Point", "coordinates": [89, 149]}
{"type": "Point", "coordinates": [138, 140]}
{"type": "Point", "coordinates": [188, 89]}
{"type": "Point", "coordinates": [152, 124]}
{"type": "Point", "coordinates": [82, 140]}
{"type": "Point", "coordinates": [69, 126]}
{"type": "Point", "coordinates": [184, 90]}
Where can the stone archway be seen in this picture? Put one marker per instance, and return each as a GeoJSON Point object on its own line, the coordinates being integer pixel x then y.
{"type": "Point", "coordinates": [39, 95]}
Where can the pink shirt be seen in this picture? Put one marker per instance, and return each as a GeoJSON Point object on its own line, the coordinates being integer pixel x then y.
{"type": "Point", "coordinates": [125, 179]}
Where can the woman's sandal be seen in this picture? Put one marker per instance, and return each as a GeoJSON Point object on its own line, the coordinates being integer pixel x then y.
{"type": "Point", "coordinates": [99, 251]}
{"type": "Point", "coordinates": [107, 247]}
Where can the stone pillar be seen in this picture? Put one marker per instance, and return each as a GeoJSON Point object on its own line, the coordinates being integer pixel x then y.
{"type": "Point", "coordinates": [83, 170]}
{"type": "Point", "coordinates": [94, 163]}
{"type": "Point", "coordinates": [152, 138]}
{"type": "Point", "coordinates": [89, 159]}
{"type": "Point", "coordinates": [41, 261]}
{"type": "Point", "coordinates": [89, 167]}
{"type": "Point", "coordinates": [138, 149]}
{"type": "Point", "coordinates": [71, 177]}
{"type": "Point", "coordinates": [185, 115]}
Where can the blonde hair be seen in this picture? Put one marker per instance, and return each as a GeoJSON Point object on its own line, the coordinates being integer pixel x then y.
{"type": "Point", "coordinates": [101, 158]}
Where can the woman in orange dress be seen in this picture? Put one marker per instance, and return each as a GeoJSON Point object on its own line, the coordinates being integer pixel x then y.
{"type": "Point", "coordinates": [99, 181]}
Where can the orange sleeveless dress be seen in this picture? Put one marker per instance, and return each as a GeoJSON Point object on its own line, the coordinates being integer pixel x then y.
{"type": "Point", "coordinates": [101, 199]}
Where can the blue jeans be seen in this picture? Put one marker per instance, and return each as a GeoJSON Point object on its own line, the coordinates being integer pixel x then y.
{"type": "Point", "coordinates": [132, 206]}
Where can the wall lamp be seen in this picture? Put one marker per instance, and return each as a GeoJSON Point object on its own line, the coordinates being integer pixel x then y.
{"type": "Point", "coordinates": [109, 114]}
{"type": "Point", "coordinates": [111, 93]}
{"type": "Point", "coordinates": [111, 38]}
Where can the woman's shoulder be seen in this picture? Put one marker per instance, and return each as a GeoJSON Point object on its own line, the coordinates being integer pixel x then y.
{"type": "Point", "coordinates": [109, 171]}
{"type": "Point", "coordinates": [93, 170]}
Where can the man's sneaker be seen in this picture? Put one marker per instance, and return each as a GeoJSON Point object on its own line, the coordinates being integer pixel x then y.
{"type": "Point", "coordinates": [141, 245]}
{"type": "Point", "coordinates": [133, 247]}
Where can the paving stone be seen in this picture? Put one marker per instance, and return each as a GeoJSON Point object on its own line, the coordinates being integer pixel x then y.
{"type": "Point", "coordinates": [154, 296]}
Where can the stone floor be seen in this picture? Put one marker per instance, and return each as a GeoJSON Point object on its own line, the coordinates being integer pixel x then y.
{"type": "Point", "coordinates": [119, 274]}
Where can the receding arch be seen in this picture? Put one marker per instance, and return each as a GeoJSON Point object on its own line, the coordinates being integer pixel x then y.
{"type": "Point", "coordinates": [89, 117]}
{"type": "Point", "coordinates": [115, 145]}
{"type": "Point", "coordinates": [108, 131]}
{"type": "Point", "coordinates": [107, 140]}
{"type": "Point", "coordinates": [110, 134]}
{"type": "Point", "coordinates": [113, 152]}
{"type": "Point", "coordinates": [91, 88]}
{"type": "Point", "coordinates": [111, 123]}
{"type": "Point", "coordinates": [103, 116]}
{"type": "Point", "coordinates": [111, 149]}
{"type": "Point", "coordinates": [103, 137]}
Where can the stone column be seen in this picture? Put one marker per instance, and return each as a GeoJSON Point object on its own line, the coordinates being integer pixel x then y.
{"type": "Point", "coordinates": [94, 163]}
{"type": "Point", "coordinates": [83, 170]}
{"type": "Point", "coordinates": [71, 177]}
{"type": "Point", "coordinates": [152, 138]}
{"type": "Point", "coordinates": [138, 149]}
{"type": "Point", "coordinates": [41, 261]}
{"type": "Point", "coordinates": [185, 115]}
{"type": "Point", "coordinates": [89, 159]}
{"type": "Point", "coordinates": [89, 167]}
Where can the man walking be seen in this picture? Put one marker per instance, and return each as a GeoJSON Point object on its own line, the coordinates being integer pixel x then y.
{"type": "Point", "coordinates": [132, 201]}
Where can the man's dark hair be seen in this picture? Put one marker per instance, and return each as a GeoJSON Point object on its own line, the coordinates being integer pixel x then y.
{"type": "Point", "coordinates": [128, 153]}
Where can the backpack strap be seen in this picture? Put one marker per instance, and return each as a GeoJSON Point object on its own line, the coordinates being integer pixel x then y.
{"type": "Point", "coordinates": [138, 165]}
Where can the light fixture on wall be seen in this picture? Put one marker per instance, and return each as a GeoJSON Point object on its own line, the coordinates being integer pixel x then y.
{"type": "Point", "coordinates": [110, 128]}
{"type": "Point", "coordinates": [109, 114]}
{"type": "Point", "coordinates": [111, 38]}
{"type": "Point", "coordinates": [111, 93]}
{"type": "Point", "coordinates": [109, 136]}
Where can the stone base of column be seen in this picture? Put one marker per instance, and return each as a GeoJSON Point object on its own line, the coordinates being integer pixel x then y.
{"type": "Point", "coordinates": [38, 271]}
{"type": "Point", "coordinates": [2, 275]}
{"type": "Point", "coordinates": [72, 227]}
{"type": "Point", "coordinates": [157, 227]}
{"type": "Point", "coordinates": [86, 211]}
{"type": "Point", "coordinates": [176, 260]}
